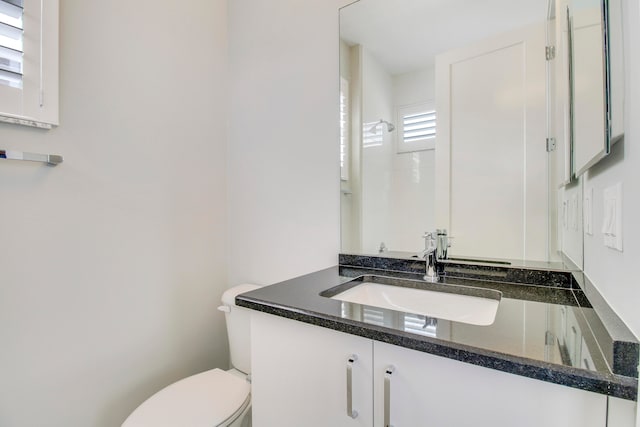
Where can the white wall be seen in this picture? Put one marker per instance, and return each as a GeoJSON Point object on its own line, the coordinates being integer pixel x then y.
{"type": "Point", "coordinates": [113, 262]}
{"type": "Point", "coordinates": [283, 138]}
{"type": "Point", "coordinates": [350, 199]}
{"type": "Point", "coordinates": [415, 87]}
{"type": "Point", "coordinates": [570, 221]}
{"type": "Point", "coordinates": [397, 188]}
{"type": "Point", "coordinates": [614, 273]}
{"type": "Point", "coordinates": [377, 103]}
{"type": "Point", "coordinates": [413, 174]}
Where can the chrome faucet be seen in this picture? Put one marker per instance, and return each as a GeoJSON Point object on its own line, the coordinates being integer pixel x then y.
{"type": "Point", "coordinates": [429, 255]}
{"type": "Point", "coordinates": [436, 245]}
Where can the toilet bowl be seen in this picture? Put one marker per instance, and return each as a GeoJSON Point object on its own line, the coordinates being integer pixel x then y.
{"type": "Point", "coordinates": [214, 398]}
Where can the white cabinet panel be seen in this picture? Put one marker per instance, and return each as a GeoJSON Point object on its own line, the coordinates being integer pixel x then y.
{"type": "Point", "coordinates": [299, 375]}
{"type": "Point", "coordinates": [428, 390]}
{"type": "Point", "coordinates": [622, 413]}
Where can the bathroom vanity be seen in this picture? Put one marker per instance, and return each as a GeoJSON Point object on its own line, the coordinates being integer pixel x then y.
{"type": "Point", "coordinates": [535, 344]}
{"type": "Point", "coordinates": [548, 358]}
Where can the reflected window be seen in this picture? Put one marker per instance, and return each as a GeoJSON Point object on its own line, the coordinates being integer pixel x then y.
{"type": "Point", "coordinates": [344, 129]}
{"type": "Point", "coordinates": [421, 325]}
{"type": "Point", "coordinates": [417, 128]}
{"type": "Point", "coordinates": [413, 323]}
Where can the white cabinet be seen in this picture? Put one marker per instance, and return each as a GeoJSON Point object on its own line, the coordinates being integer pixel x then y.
{"type": "Point", "coordinates": [621, 413]}
{"type": "Point", "coordinates": [427, 390]}
{"type": "Point", "coordinates": [299, 376]}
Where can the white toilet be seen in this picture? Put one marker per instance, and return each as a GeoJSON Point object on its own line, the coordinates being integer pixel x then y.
{"type": "Point", "coordinates": [214, 398]}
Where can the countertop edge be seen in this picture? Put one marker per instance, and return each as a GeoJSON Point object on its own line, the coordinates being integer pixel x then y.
{"type": "Point", "coordinates": [607, 384]}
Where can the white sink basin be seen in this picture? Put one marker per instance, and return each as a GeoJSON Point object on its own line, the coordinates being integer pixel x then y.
{"type": "Point", "coordinates": [456, 306]}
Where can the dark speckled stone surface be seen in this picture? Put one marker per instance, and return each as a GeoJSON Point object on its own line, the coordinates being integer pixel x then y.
{"type": "Point", "coordinates": [493, 272]}
{"type": "Point", "coordinates": [527, 337]}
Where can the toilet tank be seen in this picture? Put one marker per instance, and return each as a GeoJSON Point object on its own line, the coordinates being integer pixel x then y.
{"type": "Point", "coordinates": [238, 327]}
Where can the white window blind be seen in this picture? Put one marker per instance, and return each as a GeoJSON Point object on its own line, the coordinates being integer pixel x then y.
{"type": "Point", "coordinates": [11, 42]}
{"type": "Point", "coordinates": [414, 323]}
{"type": "Point", "coordinates": [344, 129]}
{"type": "Point", "coordinates": [373, 316]}
{"type": "Point", "coordinates": [417, 127]}
{"type": "Point", "coordinates": [29, 62]}
{"type": "Point", "coordinates": [421, 325]}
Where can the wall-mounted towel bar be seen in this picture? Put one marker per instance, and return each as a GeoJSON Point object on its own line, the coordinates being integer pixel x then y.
{"type": "Point", "coordinates": [49, 159]}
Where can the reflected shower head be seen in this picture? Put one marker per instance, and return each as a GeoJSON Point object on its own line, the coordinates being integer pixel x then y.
{"type": "Point", "coordinates": [390, 126]}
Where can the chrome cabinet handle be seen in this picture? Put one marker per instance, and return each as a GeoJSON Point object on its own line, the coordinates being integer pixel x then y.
{"type": "Point", "coordinates": [387, 395]}
{"type": "Point", "coordinates": [350, 411]}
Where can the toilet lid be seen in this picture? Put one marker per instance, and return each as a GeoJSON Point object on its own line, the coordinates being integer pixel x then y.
{"type": "Point", "coordinates": [203, 400]}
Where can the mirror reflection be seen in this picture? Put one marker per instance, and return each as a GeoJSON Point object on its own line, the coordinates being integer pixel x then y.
{"type": "Point", "coordinates": [444, 123]}
{"type": "Point", "coordinates": [554, 333]}
{"type": "Point", "coordinates": [596, 80]}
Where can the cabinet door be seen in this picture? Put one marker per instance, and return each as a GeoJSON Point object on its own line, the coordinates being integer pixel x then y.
{"type": "Point", "coordinates": [621, 413]}
{"type": "Point", "coordinates": [299, 375]}
{"type": "Point", "coordinates": [432, 391]}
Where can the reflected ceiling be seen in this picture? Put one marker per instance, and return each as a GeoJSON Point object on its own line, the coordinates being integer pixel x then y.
{"type": "Point", "coordinates": [407, 38]}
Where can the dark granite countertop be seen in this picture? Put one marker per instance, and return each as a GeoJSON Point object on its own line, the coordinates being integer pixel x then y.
{"type": "Point", "coordinates": [545, 328]}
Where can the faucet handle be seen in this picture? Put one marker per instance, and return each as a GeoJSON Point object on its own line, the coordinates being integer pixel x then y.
{"type": "Point", "coordinates": [429, 240]}
{"type": "Point", "coordinates": [429, 235]}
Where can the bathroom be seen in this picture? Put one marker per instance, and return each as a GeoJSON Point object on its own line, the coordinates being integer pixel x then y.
{"type": "Point", "coordinates": [184, 175]}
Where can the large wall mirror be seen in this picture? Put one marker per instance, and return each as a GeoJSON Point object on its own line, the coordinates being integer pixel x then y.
{"type": "Point", "coordinates": [597, 79]}
{"type": "Point", "coordinates": [446, 108]}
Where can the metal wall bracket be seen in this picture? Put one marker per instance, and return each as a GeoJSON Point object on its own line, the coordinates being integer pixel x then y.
{"type": "Point", "coordinates": [551, 144]}
{"type": "Point", "coordinates": [550, 52]}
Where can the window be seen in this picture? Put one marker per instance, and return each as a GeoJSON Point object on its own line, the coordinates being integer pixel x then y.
{"type": "Point", "coordinates": [11, 31]}
{"type": "Point", "coordinates": [29, 62]}
{"type": "Point", "coordinates": [421, 325]}
{"type": "Point", "coordinates": [344, 129]}
{"type": "Point", "coordinates": [414, 323]}
{"type": "Point", "coordinates": [417, 128]}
